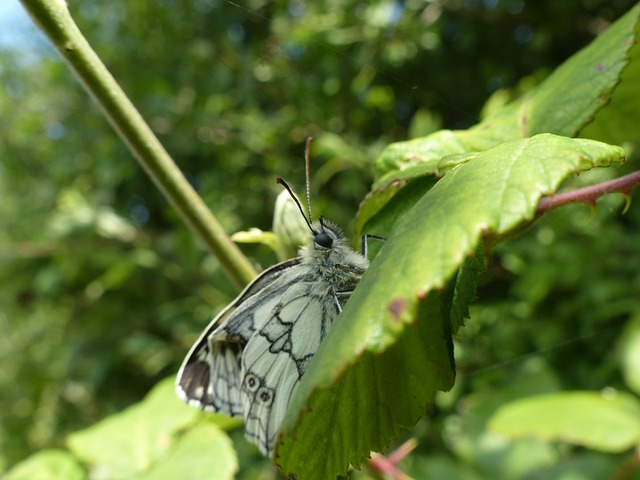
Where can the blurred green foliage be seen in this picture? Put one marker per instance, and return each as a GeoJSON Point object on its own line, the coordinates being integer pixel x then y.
{"type": "Point", "coordinates": [103, 290]}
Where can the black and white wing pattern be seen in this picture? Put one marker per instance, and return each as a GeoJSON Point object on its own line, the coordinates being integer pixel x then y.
{"type": "Point", "coordinates": [210, 374]}
{"type": "Point", "coordinates": [251, 357]}
{"type": "Point", "coordinates": [276, 357]}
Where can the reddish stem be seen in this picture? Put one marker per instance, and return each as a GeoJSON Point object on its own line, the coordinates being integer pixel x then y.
{"type": "Point", "coordinates": [590, 194]}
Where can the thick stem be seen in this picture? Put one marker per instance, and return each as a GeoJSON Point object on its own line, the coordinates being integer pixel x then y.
{"type": "Point", "coordinates": [54, 19]}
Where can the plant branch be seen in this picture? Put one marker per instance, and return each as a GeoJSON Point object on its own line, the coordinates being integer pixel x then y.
{"type": "Point", "coordinates": [590, 194]}
{"type": "Point", "coordinates": [387, 466]}
{"type": "Point", "coordinates": [54, 19]}
{"type": "Point", "coordinates": [631, 465]}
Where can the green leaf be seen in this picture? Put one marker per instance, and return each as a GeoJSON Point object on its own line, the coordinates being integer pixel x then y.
{"type": "Point", "coordinates": [463, 290]}
{"type": "Point", "coordinates": [473, 444]}
{"type": "Point", "coordinates": [382, 207]}
{"type": "Point", "coordinates": [205, 452]}
{"type": "Point", "coordinates": [581, 466]}
{"type": "Point", "coordinates": [584, 83]}
{"type": "Point", "coordinates": [47, 465]}
{"type": "Point", "coordinates": [420, 156]}
{"type": "Point", "coordinates": [389, 351]}
{"type": "Point", "coordinates": [375, 397]}
{"type": "Point", "coordinates": [255, 235]}
{"type": "Point", "coordinates": [609, 421]}
{"type": "Point", "coordinates": [618, 120]}
{"type": "Point", "coordinates": [131, 441]}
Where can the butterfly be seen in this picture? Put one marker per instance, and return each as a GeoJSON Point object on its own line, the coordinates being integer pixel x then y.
{"type": "Point", "coordinates": [250, 358]}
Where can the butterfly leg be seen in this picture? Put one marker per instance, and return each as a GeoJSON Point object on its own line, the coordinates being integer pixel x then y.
{"type": "Point", "coordinates": [366, 237]}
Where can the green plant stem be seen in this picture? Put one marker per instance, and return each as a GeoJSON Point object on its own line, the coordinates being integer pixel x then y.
{"type": "Point", "coordinates": [54, 19]}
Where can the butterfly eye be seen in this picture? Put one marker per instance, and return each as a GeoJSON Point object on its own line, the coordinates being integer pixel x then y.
{"type": "Point", "coordinates": [251, 382]}
{"type": "Point", "coordinates": [323, 240]}
{"type": "Point", "coordinates": [266, 396]}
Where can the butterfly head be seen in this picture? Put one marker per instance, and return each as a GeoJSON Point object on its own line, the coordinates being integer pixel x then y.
{"type": "Point", "coordinates": [329, 252]}
{"type": "Point", "coordinates": [324, 237]}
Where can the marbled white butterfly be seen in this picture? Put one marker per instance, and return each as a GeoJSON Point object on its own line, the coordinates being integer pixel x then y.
{"type": "Point", "coordinates": [250, 358]}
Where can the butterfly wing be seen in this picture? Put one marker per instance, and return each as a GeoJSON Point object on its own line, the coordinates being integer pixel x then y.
{"type": "Point", "coordinates": [251, 357]}
{"type": "Point", "coordinates": [210, 376]}
{"type": "Point", "coordinates": [278, 353]}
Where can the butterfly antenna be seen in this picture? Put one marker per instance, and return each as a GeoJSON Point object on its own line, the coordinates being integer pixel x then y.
{"type": "Point", "coordinates": [295, 199]}
{"type": "Point", "coordinates": [307, 163]}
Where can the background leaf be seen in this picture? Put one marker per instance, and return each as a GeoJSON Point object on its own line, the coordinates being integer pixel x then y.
{"type": "Point", "coordinates": [607, 421]}
{"type": "Point", "coordinates": [47, 465]}
{"type": "Point", "coordinates": [134, 439]}
{"type": "Point", "coordinates": [204, 452]}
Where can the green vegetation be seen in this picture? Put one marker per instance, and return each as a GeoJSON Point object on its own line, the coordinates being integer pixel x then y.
{"type": "Point", "coordinates": [104, 288]}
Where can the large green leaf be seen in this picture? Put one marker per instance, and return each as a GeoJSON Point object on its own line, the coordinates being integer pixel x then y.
{"type": "Point", "coordinates": [375, 397]}
{"type": "Point", "coordinates": [47, 465]}
{"type": "Point", "coordinates": [131, 441]}
{"type": "Point", "coordinates": [389, 351]}
{"type": "Point", "coordinates": [617, 121]}
{"type": "Point", "coordinates": [473, 444]}
{"type": "Point", "coordinates": [575, 91]}
{"type": "Point", "coordinates": [203, 452]}
{"type": "Point", "coordinates": [608, 421]}
{"type": "Point", "coordinates": [563, 104]}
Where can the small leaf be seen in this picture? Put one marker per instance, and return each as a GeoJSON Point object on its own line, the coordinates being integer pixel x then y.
{"type": "Point", "coordinates": [607, 422]}
{"type": "Point", "coordinates": [255, 235]}
{"type": "Point", "coordinates": [581, 466]}
{"type": "Point", "coordinates": [204, 452]}
{"type": "Point", "coordinates": [397, 160]}
{"type": "Point", "coordinates": [47, 465]}
{"type": "Point", "coordinates": [131, 441]}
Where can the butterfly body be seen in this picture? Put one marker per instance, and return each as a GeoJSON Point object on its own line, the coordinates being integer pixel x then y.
{"type": "Point", "coordinates": [250, 358]}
